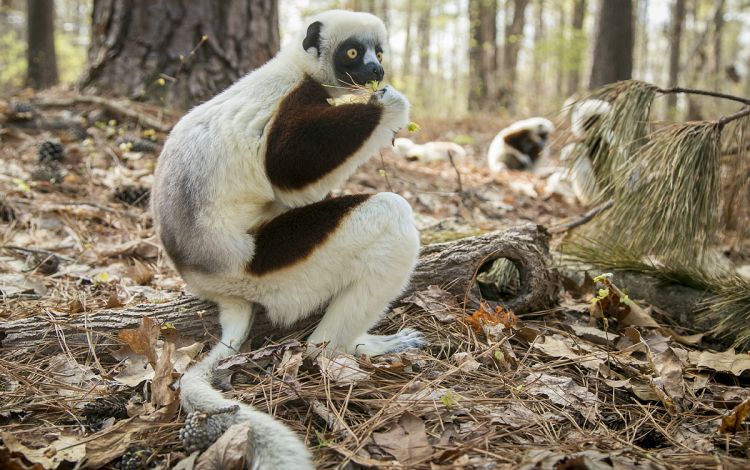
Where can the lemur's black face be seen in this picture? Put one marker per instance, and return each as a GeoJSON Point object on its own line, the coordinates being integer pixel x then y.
{"type": "Point", "coordinates": [357, 62]}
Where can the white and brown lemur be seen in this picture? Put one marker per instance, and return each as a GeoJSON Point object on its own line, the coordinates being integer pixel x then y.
{"type": "Point", "coordinates": [239, 203]}
{"type": "Point", "coordinates": [520, 145]}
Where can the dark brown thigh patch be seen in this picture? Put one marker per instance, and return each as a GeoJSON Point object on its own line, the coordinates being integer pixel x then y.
{"type": "Point", "coordinates": [523, 141]}
{"type": "Point", "coordinates": [294, 235]}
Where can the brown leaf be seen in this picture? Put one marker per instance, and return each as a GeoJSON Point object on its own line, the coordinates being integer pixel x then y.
{"type": "Point", "coordinates": [162, 392]}
{"type": "Point", "coordinates": [483, 316]}
{"type": "Point", "coordinates": [436, 301]}
{"type": "Point", "coordinates": [140, 273]}
{"type": "Point", "coordinates": [64, 449]}
{"type": "Point", "coordinates": [727, 361]}
{"type": "Point", "coordinates": [105, 446]}
{"type": "Point", "coordinates": [229, 452]}
{"type": "Point", "coordinates": [142, 340]}
{"type": "Point", "coordinates": [406, 441]}
{"type": "Point", "coordinates": [732, 423]}
{"type": "Point", "coordinates": [9, 462]}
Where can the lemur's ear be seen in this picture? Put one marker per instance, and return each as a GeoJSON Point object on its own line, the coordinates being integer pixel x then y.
{"type": "Point", "coordinates": [313, 37]}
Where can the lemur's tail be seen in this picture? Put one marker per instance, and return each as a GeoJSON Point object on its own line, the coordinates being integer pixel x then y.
{"type": "Point", "coordinates": [272, 445]}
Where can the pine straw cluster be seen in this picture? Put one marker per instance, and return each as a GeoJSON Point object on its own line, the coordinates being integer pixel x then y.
{"type": "Point", "coordinates": [474, 417]}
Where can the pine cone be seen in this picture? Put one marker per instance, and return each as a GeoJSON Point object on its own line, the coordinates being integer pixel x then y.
{"type": "Point", "coordinates": [133, 195]}
{"type": "Point", "coordinates": [7, 213]}
{"type": "Point", "coordinates": [49, 171]}
{"type": "Point", "coordinates": [135, 458]}
{"type": "Point", "coordinates": [97, 411]}
{"type": "Point", "coordinates": [21, 111]}
{"type": "Point", "coordinates": [135, 144]}
{"type": "Point", "coordinates": [50, 151]}
{"type": "Point", "coordinates": [202, 429]}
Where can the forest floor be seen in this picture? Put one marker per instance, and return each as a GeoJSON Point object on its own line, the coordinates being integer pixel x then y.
{"type": "Point", "coordinates": [558, 389]}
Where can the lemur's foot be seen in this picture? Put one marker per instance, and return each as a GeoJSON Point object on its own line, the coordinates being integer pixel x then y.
{"type": "Point", "coordinates": [374, 345]}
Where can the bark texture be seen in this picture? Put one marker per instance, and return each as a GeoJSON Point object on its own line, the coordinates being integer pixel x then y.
{"type": "Point", "coordinates": [452, 265]}
{"type": "Point", "coordinates": [513, 41]}
{"type": "Point", "coordinates": [178, 52]}
{"type": "Point", "coordinates": [574, 73]}
{"type": "Point", "coordinates": [40, 54]}
{"type": "Point", "coordinates": [614, 41]}
{"type": "Point", "coordinates": [482, 53]}
{"type": "Point", "coordinates": [675, 47]}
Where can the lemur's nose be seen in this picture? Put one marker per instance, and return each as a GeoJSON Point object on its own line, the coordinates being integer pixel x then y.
{"type": "Point", "coordinates": [377, 71]}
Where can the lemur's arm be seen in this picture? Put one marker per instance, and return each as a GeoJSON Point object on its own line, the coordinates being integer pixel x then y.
{"type": "Point", "coordinates": [311, 140]}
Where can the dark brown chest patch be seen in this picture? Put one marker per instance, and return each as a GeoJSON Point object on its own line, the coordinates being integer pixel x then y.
{"type": "Point", "coordinates": [523, 141]}
{"type": "Point", "coordinates": [294, 235]}
{"type": "Point", "coordinates": [310, 138]}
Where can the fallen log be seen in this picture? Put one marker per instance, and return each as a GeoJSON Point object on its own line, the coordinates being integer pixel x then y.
{"type": "Point", "coordinates": [453, 266]}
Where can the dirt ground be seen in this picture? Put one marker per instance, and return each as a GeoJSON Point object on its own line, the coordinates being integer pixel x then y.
{"type": "Point", "coordinates": [597, 383]}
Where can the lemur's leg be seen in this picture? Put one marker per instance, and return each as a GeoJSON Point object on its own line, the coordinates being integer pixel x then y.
{"type": "Point", "coordinates": [235, 317]}
{"type": "Point", "coordinates": [356, 251]}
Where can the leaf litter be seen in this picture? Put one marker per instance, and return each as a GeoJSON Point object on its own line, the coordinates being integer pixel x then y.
{"type": "Point", "coordinates": [599, 383]}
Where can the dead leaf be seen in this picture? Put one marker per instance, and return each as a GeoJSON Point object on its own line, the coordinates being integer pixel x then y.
{"type": "Point", "coordinates": [229, 452]}
{"type": "Point", "coordinates": [66, 370]}
{"type": "Point", "coordinates": [63, 449]}
{"type": "Point", "coordinates": [559, 390]}
{"type": "Point", "coordinates": [162, 393]}
{"type": "Point", "coordinates": [732, 423]}
{"type": "Point", "coordinates": [465, 361]}
{"type": "Point", "coordinates": [188, 463]}
{"type": "Point", "coordinates": [342, 369]}
{"type": "Point", "coordinates": [484, 316]}
{"type": "Point", "coordinates": [142, 340]}
{"type": "Point", "coordinates": [406, 440]}
{"type": "Point", "coordinates": [727, 361]}
{"type": "Point", "coordinates": [105, 446]}
{"type": "Point", "coordinates": [9, 462]}
{"type": "Point", "coordinates": [558, 346]}
{"type": "Point", "coordinates": [436, 301]}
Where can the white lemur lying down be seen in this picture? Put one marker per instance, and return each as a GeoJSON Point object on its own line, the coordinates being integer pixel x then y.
{"type": "Point", "coordinates": [520, 145]}
{"type": "Point", "coordinates": [429, 151]}
{"type": "Point", "coordinates": [239, 204]}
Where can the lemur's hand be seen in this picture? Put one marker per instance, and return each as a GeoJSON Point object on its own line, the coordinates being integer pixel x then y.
{"type": "Point", "coordinates": [396, 115]}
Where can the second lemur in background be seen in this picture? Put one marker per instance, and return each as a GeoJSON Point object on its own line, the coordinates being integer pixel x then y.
{"type": "Point", "coordinates": [520, 145]}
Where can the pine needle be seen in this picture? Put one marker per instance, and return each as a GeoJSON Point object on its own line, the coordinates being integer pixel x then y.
{"type": "Point", "coordinates": [667, 198]}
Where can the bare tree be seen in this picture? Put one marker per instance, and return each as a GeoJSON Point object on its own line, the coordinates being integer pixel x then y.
{"type": "Point", "coordinates": [424, 19]}
{"type": "Point", "coordinates": [675, 46]}
{"type": "Point", "coordinates": [538, 78]}
{"type": "Point", "coordinates": [513, 41]}
{"type": "Point", "coordinates": [574, 74]}
{"type": "Point", "coordinates": [613, 43]}
{"type": "Point", "coordinates": [482, 53]}
{"type": "Point", "coordinates": [40, 52]}
{"type": "Point", "coordinates": [179, 52]}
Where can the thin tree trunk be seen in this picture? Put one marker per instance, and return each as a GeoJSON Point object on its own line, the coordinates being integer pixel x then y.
{"type": "Point", "coordinates": [718, 30]}
{"type": "Point", "coordinates": [613, 43]}
{"type": "Point", "coordinates": [538, 78]}
{"type": "Point", "coordinates": [675, 47]}
{"type": "Point", "coordinates": [482, 50]}
{"type": "Point", "coordinates": [423, 33]}
{"type": "Point", "coordinates": [406, 70]}
{"type": "Point", "coordinates": [178, 52]}
{"type": "Point", "coordinates": [513, 41]}
{"type": "Point", "coordinates": [40, 53]}
{"type": "Point", "coordinates": [574, 74]}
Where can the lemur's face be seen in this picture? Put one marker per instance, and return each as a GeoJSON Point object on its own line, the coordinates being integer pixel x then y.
{"type": "Point", "coordinates": [357, 61]}
{"type": "Point", "coordinates": [543, 133]}
{"type": "Point", "coordinates": [347, 47]}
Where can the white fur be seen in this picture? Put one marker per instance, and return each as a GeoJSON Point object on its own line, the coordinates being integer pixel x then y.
{"type": "Point", "coordinates": [583, 111]}
{"type": "Point", "coordinates": [430, 151]}
{"type": "Point", "coordinates": [499, 152]}
{"type": "Point", "coordinates": [579, 172]}
{"type": "Point", "coordinates": [211, 177]}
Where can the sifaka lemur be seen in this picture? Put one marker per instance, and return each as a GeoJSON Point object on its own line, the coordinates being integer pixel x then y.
{"type": "Point", "coordinates": [239, 203]}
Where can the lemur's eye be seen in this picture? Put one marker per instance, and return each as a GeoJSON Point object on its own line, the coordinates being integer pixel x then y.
{"type": "Point", "coordinates": [352, 53]}
{"type": "Point", "coordinates": [379, 55]}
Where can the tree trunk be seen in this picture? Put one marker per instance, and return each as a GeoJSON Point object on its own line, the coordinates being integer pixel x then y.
{"type": "Point", "coordinates": [423, 34]}
{"type": "Point", "coordinates": [482, 53]}
{"type": "Point", "coordinates": [718, 30]}
{"type": "Point", "coordinates": [538, 78]}
{"type": "Point", "coordinates": [513, 41]}
{"type": "Point", "coordinates": [574, 74]}
{"type": "Point", "coordinates": [178, 52]}
{"type": "Point", "coordinates": [675, 46]}
{"type": "Point", "coordinates": [40, 54]}
{"type": "Point", "coordinates": [406, 70]}
{"type": "Point", "coordinates": [613, 43]}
